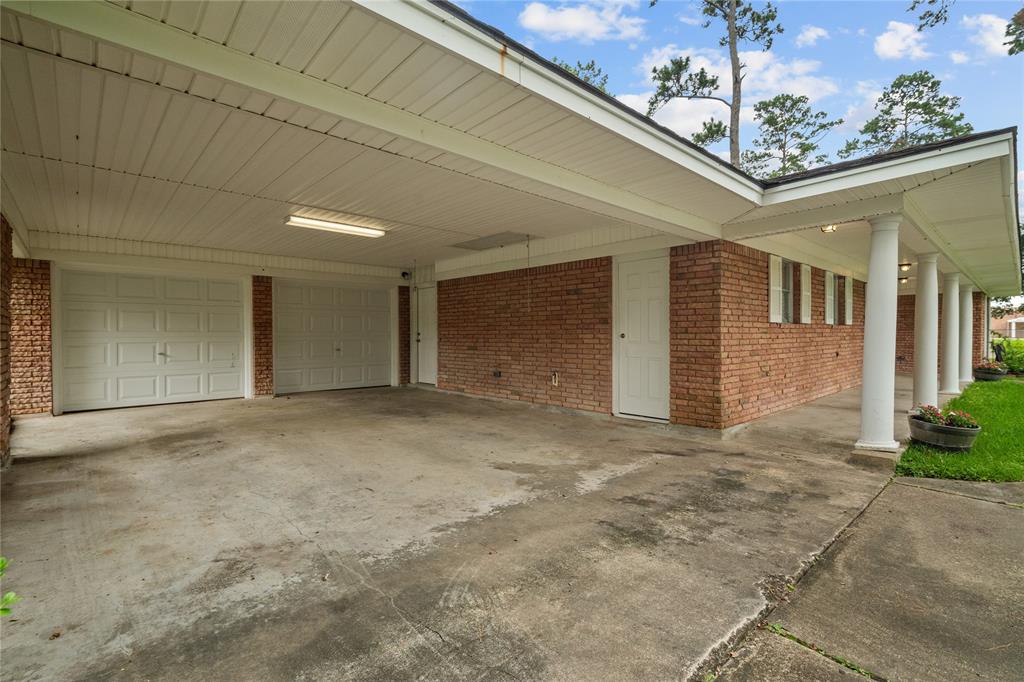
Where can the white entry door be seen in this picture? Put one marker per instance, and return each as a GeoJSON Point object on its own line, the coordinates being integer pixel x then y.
{"type": "Point", "coordinates": [426, 335]}
{"type": "Point", "coordinates": [641, 335]}
{"type": "Point", "coordinates": [330, 336]}
{"type": "Point", "coordinates": [139, 339]}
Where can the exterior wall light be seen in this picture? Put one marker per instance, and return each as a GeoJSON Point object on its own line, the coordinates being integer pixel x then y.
{"type": "Point", "coordinates": [828, 229]}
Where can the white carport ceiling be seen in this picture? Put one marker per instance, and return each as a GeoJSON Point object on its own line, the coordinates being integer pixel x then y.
{"type": "Point", "coordinates": [105, 142]}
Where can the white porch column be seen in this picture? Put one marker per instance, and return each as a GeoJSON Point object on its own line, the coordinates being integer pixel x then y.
{"type": "Point", "coordinates": [949, 380]}
{"type": "Point", "coordinates": [878, 393]}
{"type": "Point", "coordinates": [926, 331]}
{"type": "Point", "coordinates": [966, 333]}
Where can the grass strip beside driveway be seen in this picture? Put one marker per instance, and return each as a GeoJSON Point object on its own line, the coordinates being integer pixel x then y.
{"type": "Point", "coordinates": [997, 455]}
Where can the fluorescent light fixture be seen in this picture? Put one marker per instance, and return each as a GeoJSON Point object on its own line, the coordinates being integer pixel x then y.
{"type": "Point", "coordinates": [828, 229]}
{"type": "Point", "coordinates": [904, 267]}
{"type": "Point", "coordinates": [329, 226]}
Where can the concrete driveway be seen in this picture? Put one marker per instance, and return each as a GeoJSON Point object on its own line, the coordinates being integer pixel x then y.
{"type": "Point", "coordinates": [401, 533]}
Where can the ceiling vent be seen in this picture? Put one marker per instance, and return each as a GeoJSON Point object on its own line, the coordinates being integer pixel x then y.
{"type": "Point", "coordinates": [493, 241]}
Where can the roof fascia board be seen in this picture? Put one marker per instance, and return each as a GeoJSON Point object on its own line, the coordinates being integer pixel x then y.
{"type": "Point", "coordinates": [816, 217]}
{"type": "Point", "coordinates": [444, 30]}
{"type": "Point", "coordinates": [969, 152]}
{"type": "Point", "coordinates": [115, 25]}
{"type": "Point", "coordinates": [1012, 217]}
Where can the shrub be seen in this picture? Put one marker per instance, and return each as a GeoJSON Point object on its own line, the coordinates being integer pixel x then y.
{"type": "Point", "coordinates": [1013, 354]}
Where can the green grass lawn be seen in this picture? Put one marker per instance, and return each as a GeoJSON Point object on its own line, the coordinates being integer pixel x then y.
{"type": "Point", "coordinates": [997, 455]}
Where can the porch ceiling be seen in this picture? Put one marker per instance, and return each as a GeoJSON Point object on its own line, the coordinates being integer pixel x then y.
{"type": "Point", "coordinates": [958, 200]}
{"type": "Point", "coordinates": [110, 142]}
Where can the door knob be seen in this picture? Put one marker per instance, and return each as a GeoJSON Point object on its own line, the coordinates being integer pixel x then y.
{"type": "Point", "coordinates": [622, 336]}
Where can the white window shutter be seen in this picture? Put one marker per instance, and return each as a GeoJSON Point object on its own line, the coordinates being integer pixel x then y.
{"type": "Point", "coordinates": [848, 295]}
{"type": "Point", "coordinates": [805, 293]}
{"type": "Point", "coordinates": [830, 298]}
{"type": "Point", "coordinates": [774, 289]}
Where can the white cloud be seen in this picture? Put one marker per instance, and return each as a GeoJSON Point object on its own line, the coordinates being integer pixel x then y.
{"type": "Point", "coordinates": [988, 33]}
{"type": "Point", "coordinates": [810, 35]}
{"type": "Point", "coordinates": [959, 57]}
{"type": "Point", "coordinates": [901, 40]}
{"type": "Point", "coordinates": [690, 21]}
{"type": "Point", "coordinates": [767, 75]}
{"type": "Point", "coordinates": [858, 113]}
{"type": "Point", "coordinates": [585, 22]}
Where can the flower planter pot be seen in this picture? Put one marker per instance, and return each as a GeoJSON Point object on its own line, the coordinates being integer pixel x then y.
{"type": "Point", "coordinates": [989, 374]}
{"type": "Point", "coordinates": [941, 436]}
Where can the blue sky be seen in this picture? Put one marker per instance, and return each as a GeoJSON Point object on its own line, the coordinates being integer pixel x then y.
{"type": "Point", "coordinates": [839, 53]}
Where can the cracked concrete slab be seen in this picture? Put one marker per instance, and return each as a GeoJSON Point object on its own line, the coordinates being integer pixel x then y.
{"type": "Point", "coordinates": [1005, 493]}
{"type": "Point", "coordinates": [398, 533]}
{"type": "Point", "coordinates": [925, 585]}
{"type": "Point", "coordinates": [767, 656]}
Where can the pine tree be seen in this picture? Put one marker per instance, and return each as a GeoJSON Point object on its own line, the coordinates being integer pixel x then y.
{"type": "Point", "coordinates": [789, 136]}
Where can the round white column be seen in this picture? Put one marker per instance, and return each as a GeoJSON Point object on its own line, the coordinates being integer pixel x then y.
{"type": "Point", "coordinates": [949, 379]}
{"type": "Point", "coordinates": [926, 331]}
{"type": "Point", "coordinates": [878, 393]}
{"type": "Point", "coordinates": [966, 333]}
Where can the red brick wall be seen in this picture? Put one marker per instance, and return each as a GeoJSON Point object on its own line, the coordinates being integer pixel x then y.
{"type": "Point", "coordinates": [905, 331]}
{"type": "Point", "coordinates": [6, 263]}
{"type": "Point", "coordinates": [403, 335]}
{"type": "Point", "coordinates": [767, 367]}
{"type": "Point", "coordinates": [695, 334]}
{"type": "Point", "coordinates": [263, 335]}
{"type": "Point", "coordinates": [526, 324]}
{"type": "Point", "coordinates": [31, 368]}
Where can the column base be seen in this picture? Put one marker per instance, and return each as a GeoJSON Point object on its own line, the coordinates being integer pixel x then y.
{"type": "Point", "coordinates": [880, 446]}
{"type": "Point", "coordinates": [946, 396]}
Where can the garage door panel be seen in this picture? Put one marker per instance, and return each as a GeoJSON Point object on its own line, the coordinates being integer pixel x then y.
{"type": "Point", "coordinates": [87, 284]}
{"type": "Point", "coordinates": [338, 328]}
{"type": "Point", "coordinates": [132, 319]}
{"type": "Point", "coordinates": [182, 385]}
{"type": "Point", "coordinates": [184, 290]}
{"type": "Point", "coordinates": [86, 355]}
{"type": "Point", "coordinates": [225, 383]}
{"type": "Point", "coordinates": [135, 353]}
{"type": "Point", "coordinates": [185, 321]}
{"type": "Point", "coordinates": [224, 321]}
{"type": "Point", "coordinates": [321, 322]}
{"type": "Point", "coordinates": [138, 339]}
{"type": "Point", "coordinates": [377, 299]}
{"type": "Point", "coordinates": [224, 351]}
{"type": "Point", "coordinates": [224, 292]}
{"type": "Point", "coordinates": [137, 286]}
{"type": "Point", "coordinates": [87, 317]}
{"type": "Point", "coordinates": [88, 390]}
{"type": "Point", "coordinates": [182, 352]}
{"type": "Point", "coordinates": [137, 388]}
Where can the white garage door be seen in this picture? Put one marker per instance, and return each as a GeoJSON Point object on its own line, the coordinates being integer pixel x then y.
{"type": "Point", "coordinates": [328, 337]}
{"type": "Point", "coordinates": [135, 339]}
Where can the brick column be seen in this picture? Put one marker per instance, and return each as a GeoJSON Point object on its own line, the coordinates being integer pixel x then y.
{"type": "Point", "coordinates": [403, 335]}
{"type": "Point", "coordinates": [6, 264]}
{"type": "Point", "coordinates": [263, 335]}
{"type": "Point", "coordinates": [31, 360]}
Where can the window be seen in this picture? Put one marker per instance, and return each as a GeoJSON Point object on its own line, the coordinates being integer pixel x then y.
{"type": "Point", "coordinates": [780, 289]}
{"type": "Point", "coordinates": [848, 296]}
{"type": "Point", "coordinates": [805, 294]}
{"type": "Point", "coordinates": [830, 297]}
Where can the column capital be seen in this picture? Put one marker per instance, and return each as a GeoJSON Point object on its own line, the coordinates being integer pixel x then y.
{"type": "Point", "coordinates": [927, 257]}
{"type": "Point", "coordinates": [887, 222]}
{"type": "Point", "coordinates": [951, 277]}
{"type": "Point", "coordinates": [966, 287]}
